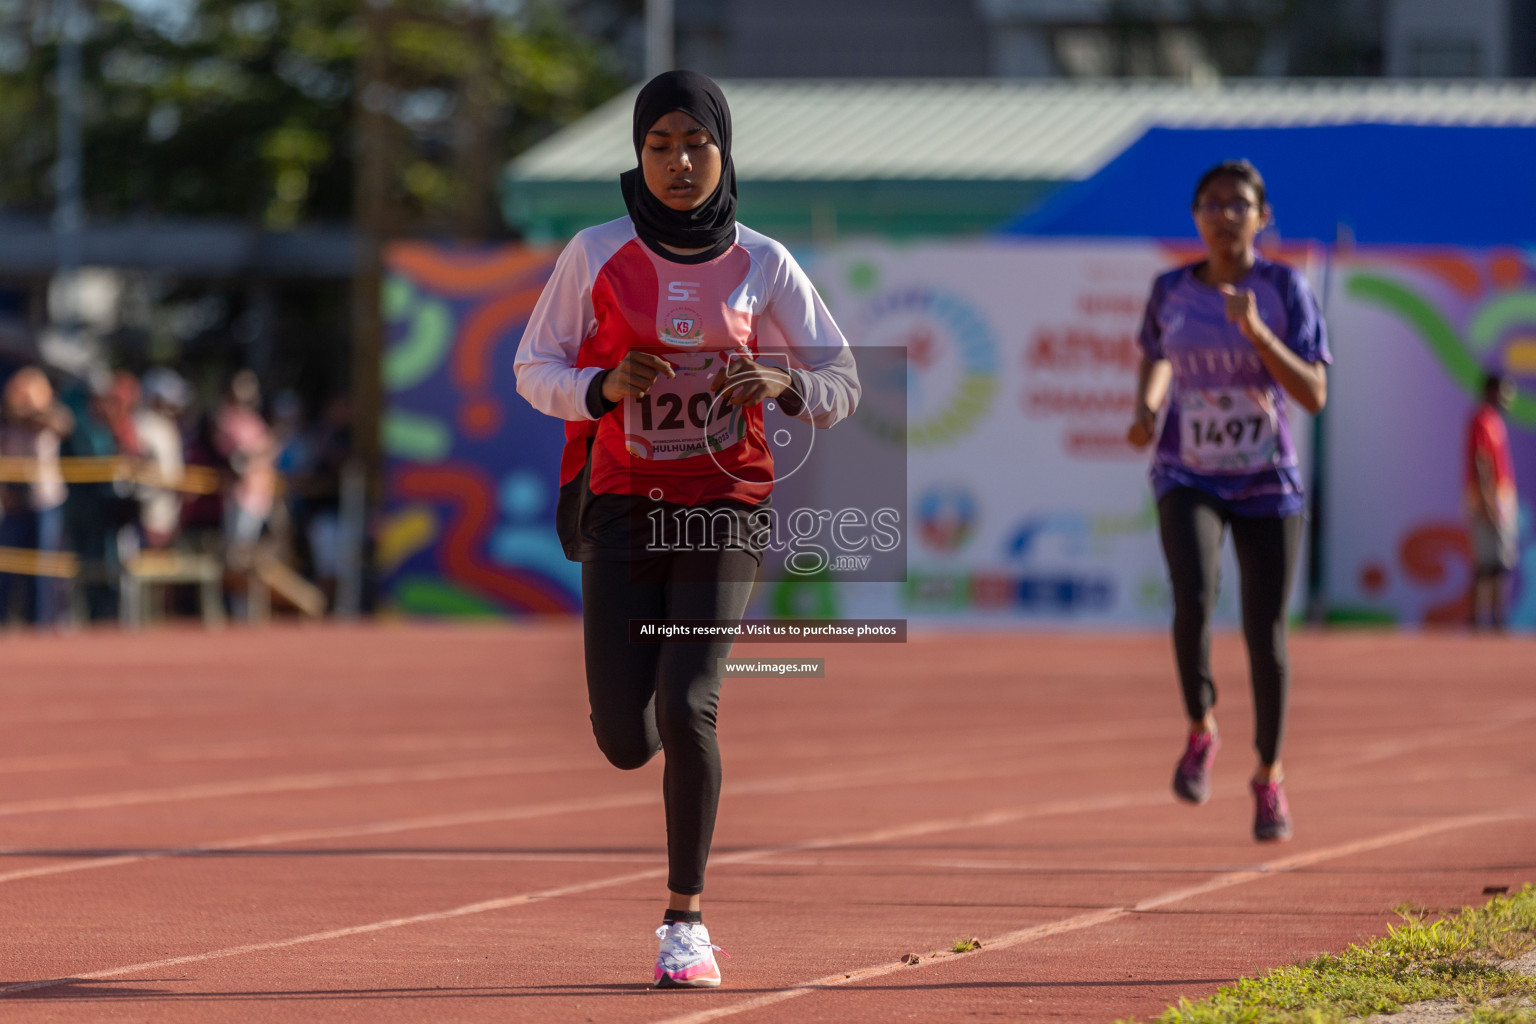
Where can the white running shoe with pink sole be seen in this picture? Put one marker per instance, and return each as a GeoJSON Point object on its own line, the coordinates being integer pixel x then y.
{"type": "Point", "coordinates": [686, 958]}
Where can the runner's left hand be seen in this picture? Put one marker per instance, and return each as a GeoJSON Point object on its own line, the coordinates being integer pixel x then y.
{"type": "Point", "coordinates": [748, 382]}
{"type": "Point", "coordinates": [1241, 307]}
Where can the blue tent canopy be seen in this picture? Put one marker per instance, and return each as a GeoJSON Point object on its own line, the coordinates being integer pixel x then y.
{"type": "Point", "coordinates": [1384, 184]}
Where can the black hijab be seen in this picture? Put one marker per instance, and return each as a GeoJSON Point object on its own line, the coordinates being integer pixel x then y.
{"type": "Point", "coordinates": [712, 224]}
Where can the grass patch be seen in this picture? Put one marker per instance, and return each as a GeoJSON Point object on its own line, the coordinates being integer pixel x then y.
{"type": "Point", "coordinates": [1498, 1015]}
{"type": "Point", "coordinates": [1453, 957]}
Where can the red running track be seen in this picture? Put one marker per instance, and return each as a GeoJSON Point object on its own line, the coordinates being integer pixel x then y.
{"type": "Point", "coordinates": [408, 823]}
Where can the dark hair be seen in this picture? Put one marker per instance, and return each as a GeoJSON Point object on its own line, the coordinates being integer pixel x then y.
{"type": "Point", "coordinates": [1242, 170]}
{"type": "Point", "coordinates": [1493, 383]}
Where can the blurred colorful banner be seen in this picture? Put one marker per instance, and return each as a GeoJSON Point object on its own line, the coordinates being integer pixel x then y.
{"type": "Point", "coordinates": [471, 469]}
{"type": "Point", "coordinates": [1023, 504]}
{"type": "Point", "coordinates": [1026, 505]}
{"type": "Point", "coordinates": [1414, 330]}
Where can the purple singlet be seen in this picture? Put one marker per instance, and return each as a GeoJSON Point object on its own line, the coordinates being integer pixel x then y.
{"type": "Point", "coordinates": [1226, 431]}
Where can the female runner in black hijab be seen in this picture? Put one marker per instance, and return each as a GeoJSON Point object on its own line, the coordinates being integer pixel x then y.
{"type": "Point", "coordinates": [705, 226]}
{"type": "Point", "coordinates": [646, 342]}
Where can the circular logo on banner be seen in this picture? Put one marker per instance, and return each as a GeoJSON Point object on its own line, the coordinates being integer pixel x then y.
{"type": "Point", "coordinates": [952, 363]}
{"type": "Point", "coordinates": [946, 516]}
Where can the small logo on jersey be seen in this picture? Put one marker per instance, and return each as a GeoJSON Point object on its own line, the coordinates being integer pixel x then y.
{"type": "Point", "coordinates": [683, 291]}
{"type": "Point", "coordinates": [681, 327]}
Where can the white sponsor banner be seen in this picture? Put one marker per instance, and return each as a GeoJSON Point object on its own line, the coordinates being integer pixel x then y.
{"type": "Point", "coordinates": [1025, 504]}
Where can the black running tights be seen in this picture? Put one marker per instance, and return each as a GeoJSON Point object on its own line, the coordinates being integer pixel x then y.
{"type": "Point", "coordinates": [1192, 524]}
{"type": "Point", "coordinates": [648, 697]}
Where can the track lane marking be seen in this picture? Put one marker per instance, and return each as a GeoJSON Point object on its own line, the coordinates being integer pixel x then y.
{"type": "Point", "coordinates": [162, 755]}
{"type": "Point", "coordinates": [1105, 915]}
{"type": "Point", "coordinates": [981, 820]}
{"type": "Point", "coordinates": [874, 836]}
{"type": "Point", "coordinates": [605, 803]}
{"type": "Point", "coordinates": [488, 767]}
{"type": "Point", "coordinates": [484, 906]}
{"type": "Point", "coordinates": [782, 785]}
{"type": "Point", "coordinates": [310, 781]}
{"type": "Point", "coordinates": [1383, 750]}
{"type": "Point", "coordinates": [338, 778]}
{"type": "Point", "coordinates": [501, 903]}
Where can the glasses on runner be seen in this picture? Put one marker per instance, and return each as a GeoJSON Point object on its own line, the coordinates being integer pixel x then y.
{"type": "Point", "coordinates": [1239, 208]}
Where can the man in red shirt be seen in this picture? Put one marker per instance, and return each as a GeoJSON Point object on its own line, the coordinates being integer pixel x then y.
{"type": "Point", "coordinates": [1492, 508]}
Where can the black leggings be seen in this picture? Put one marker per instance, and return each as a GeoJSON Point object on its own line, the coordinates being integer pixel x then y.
{"type": "Point", "coordinates": [663, 696]}
{"type": "Point", "coordinates": [1192, 523]}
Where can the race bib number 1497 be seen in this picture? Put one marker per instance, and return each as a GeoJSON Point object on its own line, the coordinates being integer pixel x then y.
{"type": "Point", "coordinates": [1228, 430]}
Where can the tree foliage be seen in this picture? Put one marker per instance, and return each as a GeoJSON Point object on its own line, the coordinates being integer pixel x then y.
{"type": "Point", "coordinates": [247, 108]}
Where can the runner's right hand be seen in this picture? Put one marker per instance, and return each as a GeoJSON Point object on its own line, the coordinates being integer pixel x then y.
{"type": "Point", "coordinates": [1140, 434]}
{"type": "Point", "coordinates": [634, 375]}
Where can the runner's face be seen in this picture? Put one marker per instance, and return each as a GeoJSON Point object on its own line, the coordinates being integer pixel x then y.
{"type": "Point", "coordinates": [1229, 216]}
{"type": "Point", "coordinates": [681, 161]}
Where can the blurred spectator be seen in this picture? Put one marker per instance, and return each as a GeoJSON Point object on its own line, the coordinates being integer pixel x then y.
{"type": "Point", "coordinates": [316, 486]}
{"type": "Point", "coordinates": [119, 401]}
{"type": "Point", "coordinates": [158, 424]}
{"type": "Point", "coordinates": [1492, 505]}
{"type": "Point", "coordinates": [290, 445]}
{"type": "Point", "coordinates": [242, 437]}
{"type": "Point", "coordinates": [93, 512]}
{"type": "Point", "coordinates": [288, 427]}
{"type": "Point", "coordinates": [202, 515]}
{"type": "Point", "coordinates": [35, 423]}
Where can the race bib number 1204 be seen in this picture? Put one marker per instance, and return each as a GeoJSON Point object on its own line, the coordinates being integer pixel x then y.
{"type": "Point", "coordinates": [1228, 430]}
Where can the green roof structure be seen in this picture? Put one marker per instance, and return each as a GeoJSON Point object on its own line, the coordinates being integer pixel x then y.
{"type": "Point", "coordinates": [825, 159]}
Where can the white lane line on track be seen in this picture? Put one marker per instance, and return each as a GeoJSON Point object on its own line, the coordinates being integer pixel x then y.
{"type": "Point", "coordinates": [877, 775]}
{"type": "Point", "coordinates": [1103, 916]}
{"type": "Point", "coordinates": [1395, 746]}
{"type": "Point", "coordinates": [482, 907]}
{"type": "Point", "coordinates": [926, 773]}
{"type": "Point", "coordinates": [313, 781]}
{"type": "Point", "coordinates": [391, 775]}
{"type": "Point", "coordinates": [255, 749]}
{"type": "Point", "coordinates": [933, 772]}
{"type": "Point", "coordinates": [1382, 750]}
{"type": "Point", "coordinates": [93, 864]}
{"type": "Point", "coordinates": [161, 756]}
{"type": "Point", "coordinates": [605, 803]}
{"type": "Point", "coordinates": [296, 783]}
{"type": "Point", "coordinates": [739, 857]}
{"type": "Point", "coordinates": [532, 858]}
{"type": "Point", "coordinates": [983, 820]}
{"type": "Point", "coordinates": [790, 784]}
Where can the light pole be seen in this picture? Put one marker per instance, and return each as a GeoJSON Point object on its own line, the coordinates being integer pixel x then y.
{"type": "Point", "coordinates": [659, 37]}
{"type": "Point", "coordinates": [69, 205]}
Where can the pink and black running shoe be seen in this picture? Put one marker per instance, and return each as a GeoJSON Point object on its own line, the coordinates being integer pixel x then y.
{"type": "Point", "coordinates": [1192, 778]}
{"type": "Point", "coordinates": [1271, 814]}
